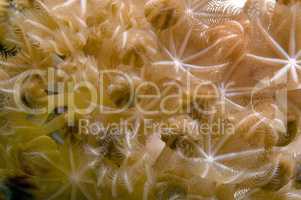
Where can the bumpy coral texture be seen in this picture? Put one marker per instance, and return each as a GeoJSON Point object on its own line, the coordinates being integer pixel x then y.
{"type": "Point", "coordinates": [245, 55]}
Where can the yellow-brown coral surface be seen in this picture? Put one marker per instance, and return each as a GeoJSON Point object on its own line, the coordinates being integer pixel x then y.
{"type": "Point", "coordinates": [150, 99]}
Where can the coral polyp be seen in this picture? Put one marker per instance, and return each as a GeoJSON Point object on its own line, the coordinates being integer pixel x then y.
{"type": "Point", "coordinates": [150, 99]}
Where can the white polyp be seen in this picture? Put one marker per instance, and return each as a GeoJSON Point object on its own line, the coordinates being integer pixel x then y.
{"type": "Point", "coordinates": [74, 178]}
{"type": "Point", "coordinates": [177, 62]}
{"type": "Point", "coordinates": [210, 159]}
{"type": "Point", "coordinates": [189, 12]}
{"type": "Point", "coordinates": [293, 61]}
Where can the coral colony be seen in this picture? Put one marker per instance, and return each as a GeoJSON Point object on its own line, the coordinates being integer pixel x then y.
{"type": "Point", "coordinates": [150, 99]}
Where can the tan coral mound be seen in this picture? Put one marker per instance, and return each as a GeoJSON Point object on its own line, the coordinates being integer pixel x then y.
{"type": "Point", "coordinates": [150, 100]}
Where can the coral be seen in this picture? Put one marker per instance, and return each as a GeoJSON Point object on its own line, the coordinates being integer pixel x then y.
{"type": "Point", "coordinates": [150, 100]}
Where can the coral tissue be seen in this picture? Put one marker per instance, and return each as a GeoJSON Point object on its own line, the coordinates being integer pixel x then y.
{"type": "Point", "coordinates": [150, 99]}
